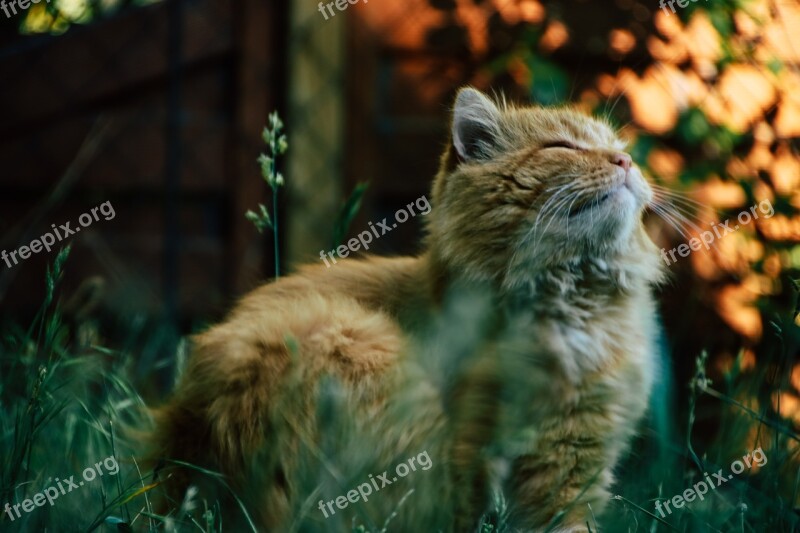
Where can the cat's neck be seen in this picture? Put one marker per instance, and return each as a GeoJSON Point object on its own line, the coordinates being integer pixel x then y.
{"type": "Point", "coordinates": [575, 288]}
{"type": "Point", "coordinates": [570, 287]}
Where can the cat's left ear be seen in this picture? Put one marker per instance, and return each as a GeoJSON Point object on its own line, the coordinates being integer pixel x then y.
{"type": "Point", "coordinates": [476, 125]}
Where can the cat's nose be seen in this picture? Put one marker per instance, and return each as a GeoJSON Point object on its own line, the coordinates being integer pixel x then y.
{"type": "Point", "coordinates": [622, 159]}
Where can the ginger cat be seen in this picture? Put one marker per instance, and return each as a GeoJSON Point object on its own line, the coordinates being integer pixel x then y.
{"type": "Point", "coordinates": [517, 352]}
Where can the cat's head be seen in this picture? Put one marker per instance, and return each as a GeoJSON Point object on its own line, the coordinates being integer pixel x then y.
{"type": "Point", "coordinates": [525, 188]}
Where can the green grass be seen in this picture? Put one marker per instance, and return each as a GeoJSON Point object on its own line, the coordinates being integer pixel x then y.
{"type": "Point", "coordinates": [65, 404]}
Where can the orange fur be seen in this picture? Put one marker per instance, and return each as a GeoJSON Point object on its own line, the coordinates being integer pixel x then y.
{"type": "Point", "coordinates": [534, 284]}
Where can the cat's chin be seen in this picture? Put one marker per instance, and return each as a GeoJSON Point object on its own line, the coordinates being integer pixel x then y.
{"type": "Point", "coordinates": [610, 217]}
{"type": "Point", "coordinates": [630, 192]}
{"type": "Point", "coordinates": [613, 215]}
{"type": "Point", "coordinates": [617, 197]}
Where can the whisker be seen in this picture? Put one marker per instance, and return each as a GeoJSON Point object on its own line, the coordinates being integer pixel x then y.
{"type": "Point", "coordinates": [556, 210]}
{"type": "Point", "coordinates": [664, 213]}
{"type": "Point", "coordinates": [679, 202]}
{"type": "Point", "coordinates": [669, 220]}
{"type": "Point", "coordinates": [679, 205]}
{"type": "Point", "coordinates": [591, 209]}
{"type": "Point", "coordinates": [617, 100]}
{"type": "Point", "coordinates": [544, 213]}
{"type": "Point", "coordinates": [566, 185]}
{"type": "Point", "coordinates": [677, 214]}
{"type": "Point", "coordinates": [568, 211]}
{"type": "Point", "coordinates": [687, 211]}
{"type": "Point", "coordinates": [676, 195]}
{"type": "Point", "coordinates": [666, 208]}
{"type": "Point", "coordinates": [531, 234]}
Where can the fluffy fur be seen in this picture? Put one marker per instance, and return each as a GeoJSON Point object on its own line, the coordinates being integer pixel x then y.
{"type": "Point", "coordinates": [517, 349]}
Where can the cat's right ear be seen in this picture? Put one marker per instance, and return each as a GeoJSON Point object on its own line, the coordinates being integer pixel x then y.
{"type": "Point", "coordinates": [476, 125]}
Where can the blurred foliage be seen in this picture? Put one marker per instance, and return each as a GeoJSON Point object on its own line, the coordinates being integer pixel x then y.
{"type": "Point", "coordinates": [712, 114]}
{"type": "Point", "coordinates": [59, 392]}
{"type": "Point", "coordinates": [709, 111]}
{"type": "Point", "coordinates": [277, 144]}
{"type": "Point", "coordinates": [347, 214]}
{"type": "Point", "coordinates": [57, 16]}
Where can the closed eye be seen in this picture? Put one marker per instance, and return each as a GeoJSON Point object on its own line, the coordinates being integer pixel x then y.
{"type": "Point", "coordinates": [560, 144]}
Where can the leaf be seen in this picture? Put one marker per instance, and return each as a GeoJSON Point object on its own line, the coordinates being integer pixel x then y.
{"type": "Point", "coordinates": [349, 211]}
{"type": "Point", "coordinates": [138, 492]}
{"type": "Point", "coordinates": [121, 524]}
{"type": "Point", "coordinates": [643, 146]}
{"type": "Point", "coordinates": [550, 82]}
{"type": "Point", "coordinates": [693, 127]}
{"type": "Point", "coordinates": [266, 165]}
{"type": "Point", "coordinates": [265, 218]}
{"type": "Point", "coordinates": [261, 221]}
{"type": "Point", "coordinates": [722, 21]}
{"type": "Point", "coordinates": [53, 276]}
{"type": "Point", "coordinates": [796, 285]}
{"type": "Point", "coordinates": [283, 145]}
{"type": "Point", "coordinates": [275, 121]}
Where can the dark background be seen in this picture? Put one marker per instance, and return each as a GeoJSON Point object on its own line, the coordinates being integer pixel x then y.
{"type": "Point", "coordinates": [159, 109]}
